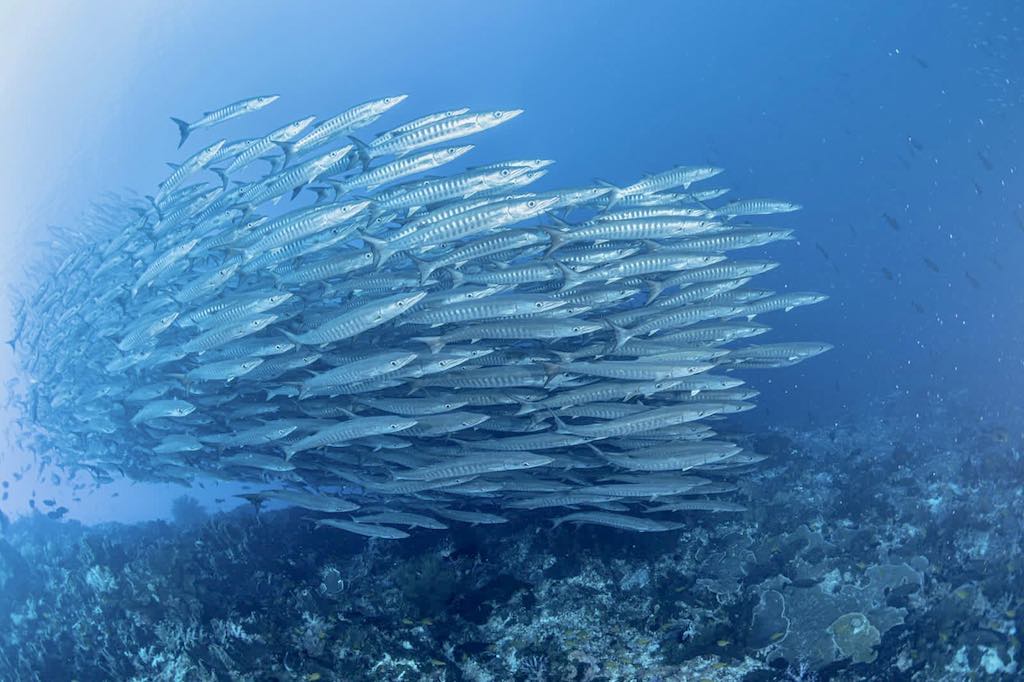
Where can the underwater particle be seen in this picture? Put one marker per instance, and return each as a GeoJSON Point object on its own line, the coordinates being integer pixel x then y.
{"type": "Point", "coordinates": [855, 637]}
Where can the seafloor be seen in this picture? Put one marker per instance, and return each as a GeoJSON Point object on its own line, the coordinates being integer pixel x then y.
{"type": "Point", "coordinates": [884, 547]}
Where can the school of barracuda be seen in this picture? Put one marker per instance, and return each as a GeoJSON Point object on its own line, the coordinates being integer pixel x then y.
{"type": "Point", "coordinates": [364, 336]}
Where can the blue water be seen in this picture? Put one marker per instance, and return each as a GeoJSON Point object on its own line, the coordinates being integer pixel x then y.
{"type": "Point", "coordinates": [895, 125]}
{"type": "Point", "coordinates": [854, 110]}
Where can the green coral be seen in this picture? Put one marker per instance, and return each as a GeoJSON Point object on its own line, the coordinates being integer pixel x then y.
{"type": "Point", "coordinates": [855, 637]}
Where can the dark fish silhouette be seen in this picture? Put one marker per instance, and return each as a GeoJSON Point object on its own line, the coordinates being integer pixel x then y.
{"type": "Point", "coordinates": [893, 223]}
{"type": "Point", "coordinates": [57, 513]}
{"type": "Point", "coordinates": [1018, 218]}
{"type": "Point", "coordinates": [50, 503]}
{"type": "Point", "coordinates": [917, 306]}
{"type": "Point", "coordinates": [977, 188]}
{"type": "Point", "coordinates": [888, 274]}
{"type": "Point", "coordinates": [822, 250]}
{"type": "Point", "coordinates": [974, 282]}
{"type": "Point", "coordinates": [915, 144]}
{"type": "Point", "coordinates": [984, 161]}
{"type": "Point", "coordinates": [932, 265]}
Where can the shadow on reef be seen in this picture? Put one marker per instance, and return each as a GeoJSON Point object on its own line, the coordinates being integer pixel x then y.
{"type": "Point", "coordinates": [884, 553]}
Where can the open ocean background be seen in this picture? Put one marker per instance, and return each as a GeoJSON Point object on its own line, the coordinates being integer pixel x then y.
{"type": "Point", "coordinates": [897, 126]}
{"type": "Point", "coordinates": [854, 110]}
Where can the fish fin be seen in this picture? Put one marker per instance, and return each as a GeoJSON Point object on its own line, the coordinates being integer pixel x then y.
{"type": "Point", "coordinates": [11, 343]}
{"type": "Point", "coordinates": [569, 278]}
{"type": "Point", "coordinates": [655, 289]}
{"type": "Point", "coordinates": [173, 166]}
{"type": "Point", "coordinates": [184, 128]}
{"type": "Point", "coordinates": [288, 149]}
{"type": "Point", "coordinates": [614, 195]}
{"type": "Point", "coordinates": [622, 335]}
{"type": "Point", "coordinates": [560, 426]}
{"type": "Point", "coordinates": [321, 194]}
{"type": "Point", "coordinates": [435, 343]}
{"type": "Point", "coordinates": [362, 151]}
{"type": "Point", "coordinates": [381, 249]}
{"type": "Point", "coordinates": [294, 338]}
{"type": "Point", "coordinates": [555, 236]}
{"type": "Point", "coordinates": [224, 181]}
{"type": "Point", "coordinates": [425, 266]}
{"type": "Point", "coordinates": [298, 190]}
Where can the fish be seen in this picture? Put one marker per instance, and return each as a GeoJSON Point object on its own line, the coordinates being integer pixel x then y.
{"type": "Point", "coordinates": [221, 114]}
{"type": "Point", "coordinates": [372, 326]}
{"type": "Point", "coordinates": [893, 223]}
{"type": "Point", "coordinates": [931, 265]}
{"type": "Point", "coordinates": [620, 521]}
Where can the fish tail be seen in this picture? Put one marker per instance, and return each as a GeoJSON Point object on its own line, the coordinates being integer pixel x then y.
{"type": "Point", "coordinates": [184, 128]}
{"type": "Point", "coordinates": [569, 278]}
{"type": "Point", "coordinates": [435, 343]}
{"type": "Point", "coordinates": [288, 149]}
{"type": "Point", "coordinates": [362, 151]}
{"type": "Point", "coordinates": [294, 338]}
{"type": "Point", "coordinates": [655, 288]}
{"type": "Point", "coordinates": [425, 266]}
{"type": "Point", "coordinates": [556, 238]}
{"type": "Point", "coordinates": [614, 195]}
{"type": "Point", "coordinates": [223, 177]}
{"type": "Point", "coordinates": [380, 247]}
{"type": "Point", "coordinates": [321, 194]}
{"type": "Point", "coordinates": [11, 343]}
{"type": "Point", "coordinates": [622, 335]}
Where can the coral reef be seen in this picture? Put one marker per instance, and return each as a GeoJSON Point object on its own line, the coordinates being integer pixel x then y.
{"type": "Point", "coordinates": [858, 560]}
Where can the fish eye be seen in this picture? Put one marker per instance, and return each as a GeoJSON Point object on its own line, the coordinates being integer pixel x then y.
{"type": "Point", "coordinates": [505, 171]}
{"type": "Point", "coordinates": [531, 204]}
{"type": "Point", "coordinates": [387, 100]}
{"type": "Point", "coordinates": [497, 114]}
{"type": "Point", "coordinates": [539, 304]}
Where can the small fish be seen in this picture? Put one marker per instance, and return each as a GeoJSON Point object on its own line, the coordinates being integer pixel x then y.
{"type": "Point", "coordinates": [932, 265]}
{"type": "Point", "coordinates": [821, 249]}
{"type": "Point", "coordinates": [57, 513]}
{"type": "Point", "coordinates": [888, 274]}
{"type": "Point", "coordinates": [893, 223]}
{"type": "Point", "coordinates": [920, 62]}
{"type": "Point", "coordinates": [225, 113]}
{"type": "Point", "coordinates": [977, 188]}
{"type": "Point", "coordinates": [914, 144]}
{"type": "Point", "coordinates": [974, 282]}
{"type": "Point", "coordinates": [917, 306]}
{"type": "Point", "coordinates": [985, 161]}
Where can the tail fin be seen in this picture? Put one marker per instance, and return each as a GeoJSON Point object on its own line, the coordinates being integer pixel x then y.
{"type": "Point", "coordinates": [556, 238]}
{"type": "Point", "coordinates": [614, 195]}
{"type": "Point", "coordinates": [184, 128]}
{"type": "Point", "coordinates": [435, 343]}
{"type": "Point", "coordinates": [381, 249]}
{"type": "Point", "coordinates": [622, 335]}
{"type": "Point", "coordinates": [11, 343]}
{"type": "Point", "coordinates": [426, 267]}
{"type": "Point", "coordinates": [224, 182]}
{"type": "Point", "coordinates": [362, 151]}
{"type": "Point", "coordinates": [289, 150]}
